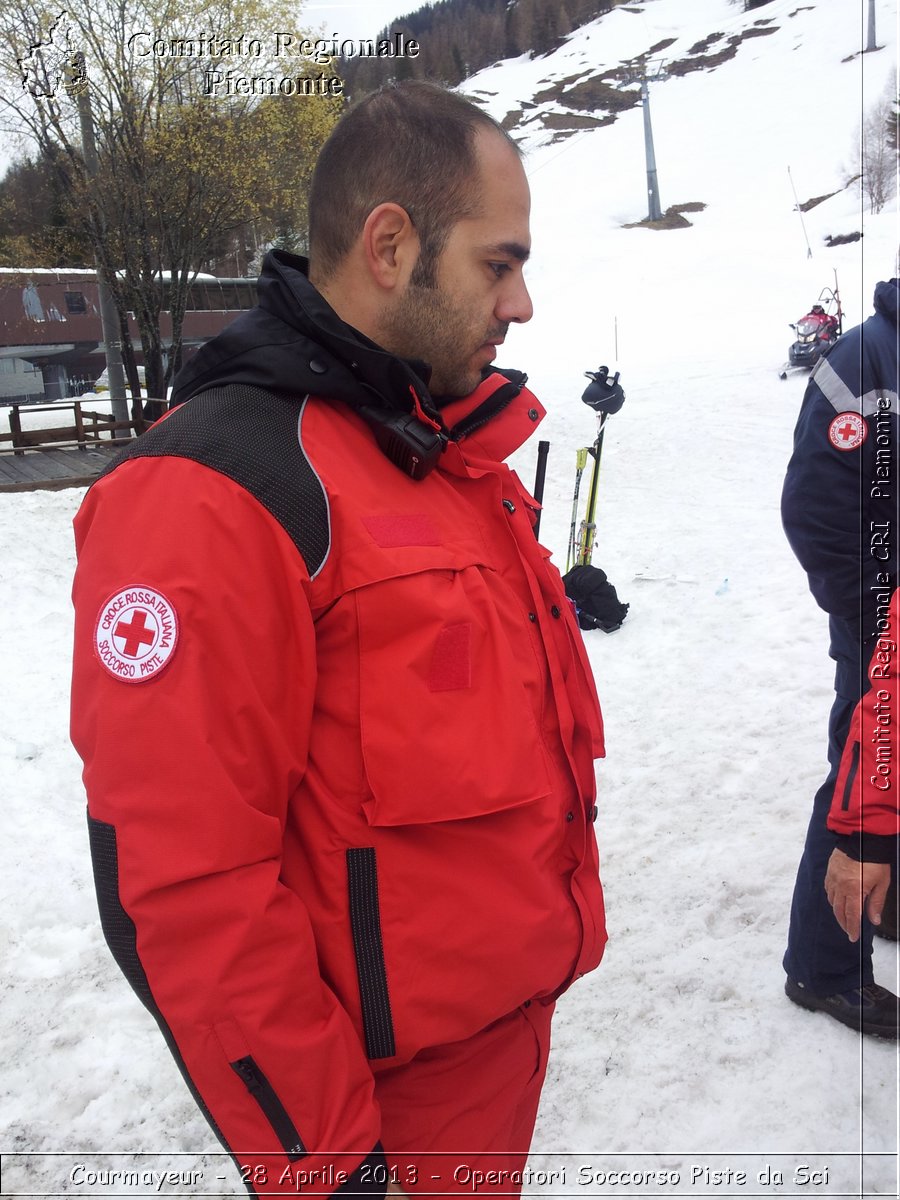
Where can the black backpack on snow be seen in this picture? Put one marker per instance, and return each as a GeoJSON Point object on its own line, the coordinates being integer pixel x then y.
{"type": "Point", "coordinates": [595, 599]}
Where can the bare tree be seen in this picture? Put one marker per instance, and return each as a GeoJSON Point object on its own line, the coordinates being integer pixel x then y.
{"type": "Point", "coordinates": [181, 142]}
{"type": "Point", "coordinates": [878, 160]}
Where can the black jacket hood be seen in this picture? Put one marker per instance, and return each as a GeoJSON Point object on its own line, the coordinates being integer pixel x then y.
{"type": "Point", "coordinates": [887, 300]}
{"type": "Point", "coordinates": [294, 342]}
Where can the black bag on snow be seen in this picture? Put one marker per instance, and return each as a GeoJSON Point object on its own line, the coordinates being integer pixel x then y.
{"type": "Point", "coordinates": [595, 599]}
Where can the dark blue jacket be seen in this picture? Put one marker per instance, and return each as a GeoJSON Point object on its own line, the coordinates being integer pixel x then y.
{"type": "Point", "coordinates": [839, 504]}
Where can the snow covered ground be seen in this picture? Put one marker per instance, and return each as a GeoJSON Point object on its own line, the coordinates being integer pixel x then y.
{"type": "Point", "coordinates": [680, 1053]}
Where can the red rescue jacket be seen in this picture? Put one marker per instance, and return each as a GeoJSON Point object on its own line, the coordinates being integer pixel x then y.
{"type": "Point", "coordinates": [341, 809]}
{"type": "Point", "coordinates": [865, 808]}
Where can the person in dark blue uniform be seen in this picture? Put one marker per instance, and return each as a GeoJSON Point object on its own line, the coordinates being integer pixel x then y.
{"type": "Point", "coordinates": [840, 513]}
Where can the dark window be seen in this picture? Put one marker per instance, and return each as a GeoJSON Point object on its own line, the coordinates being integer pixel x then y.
{"type": "Point", "coordinates": [75, 302]}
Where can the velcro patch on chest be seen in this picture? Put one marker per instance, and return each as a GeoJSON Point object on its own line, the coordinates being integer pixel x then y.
{"type": "Point", "coordinates": [404, 529]}
{"type": "Point", "coordinates": [451, 663]}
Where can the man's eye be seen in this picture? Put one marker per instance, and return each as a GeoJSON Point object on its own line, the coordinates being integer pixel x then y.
{"type": "Point", "coordinates": [499, 268]}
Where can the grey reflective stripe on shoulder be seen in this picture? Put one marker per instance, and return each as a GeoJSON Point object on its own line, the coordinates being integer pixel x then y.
{"type": "Point", "coordinates": [842, 399]}
{"type": "Point", "coordinates": [314, 573]}
{"type": "Point", "coordinates": [251, 436]}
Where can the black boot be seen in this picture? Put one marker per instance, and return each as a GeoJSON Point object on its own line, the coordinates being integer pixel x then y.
{"type": "Point", "coordinates": [871, 1009]}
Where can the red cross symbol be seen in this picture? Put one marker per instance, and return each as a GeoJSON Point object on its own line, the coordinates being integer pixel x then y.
{"type": "Point", "coordinates": [848, 431]}
{"type": "Point", "coordinates": [135, 633]}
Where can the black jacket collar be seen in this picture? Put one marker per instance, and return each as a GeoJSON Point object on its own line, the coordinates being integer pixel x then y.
{"type": "Point", "coordinates": [294, 342]}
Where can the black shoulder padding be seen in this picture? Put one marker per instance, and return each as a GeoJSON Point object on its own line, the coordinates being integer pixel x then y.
{"type": "Point", "coordinates": [252, 436]}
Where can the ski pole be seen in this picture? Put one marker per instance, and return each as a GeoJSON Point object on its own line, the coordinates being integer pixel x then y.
{"type": "Point", "coordinates": [837, 296]}
{"type": "Point", "coordinates": [539, 477]}
{"type": "Point", "coordinates": [580, 464]}
{"type": "Point", "coordinates": [605, 395]}
{"type": "Point", "coordinates": [589, 524]}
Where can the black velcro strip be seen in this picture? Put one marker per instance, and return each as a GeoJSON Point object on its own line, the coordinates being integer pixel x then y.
{"type": "Point", "coordinates": [851, 778]}
{"type": "Point", "coordinates": [121, 936]}
{"type": "Point", "coordinates": [365, 922]}
{"type": "Point", "coordinates": [118, 927]}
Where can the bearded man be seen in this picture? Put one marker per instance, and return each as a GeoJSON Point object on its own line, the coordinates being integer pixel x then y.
{"type": "Point", "coordinates": [336, 717]}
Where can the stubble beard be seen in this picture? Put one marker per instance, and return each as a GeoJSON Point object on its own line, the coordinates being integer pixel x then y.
{"type": "Point", "coordinates": [425, 324]}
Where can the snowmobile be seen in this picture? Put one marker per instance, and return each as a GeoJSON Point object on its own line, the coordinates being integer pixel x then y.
{"type": "Point", "coordinates": [816, 332]}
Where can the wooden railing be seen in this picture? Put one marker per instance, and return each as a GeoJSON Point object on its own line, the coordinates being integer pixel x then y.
{"type": "Point", "coordinates": [81, 429]}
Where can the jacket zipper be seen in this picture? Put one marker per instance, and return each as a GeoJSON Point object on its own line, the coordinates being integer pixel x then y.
{"type": "Point", "coordinates": [851, 778]}
{"type": "Point", "coordinates": [490, 408]}
{"type": "Point", "coordinates": [273, 1110]}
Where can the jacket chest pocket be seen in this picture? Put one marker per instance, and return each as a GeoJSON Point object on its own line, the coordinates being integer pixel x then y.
{"type": "Point", "coordinates": [447, 706]}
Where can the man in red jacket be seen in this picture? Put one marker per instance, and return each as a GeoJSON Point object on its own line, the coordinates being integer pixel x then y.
{"type": "Point", "coordinates": [865, 810]}
{"type": "Point", "coordinates": [355, 865]}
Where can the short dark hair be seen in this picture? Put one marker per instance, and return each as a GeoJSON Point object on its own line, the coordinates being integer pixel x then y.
{"type": "Point", "coordinates": [411, 144]}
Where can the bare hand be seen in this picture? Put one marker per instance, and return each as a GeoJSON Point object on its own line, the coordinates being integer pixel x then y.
{"type": "Point", "coordinates": [851, 885]}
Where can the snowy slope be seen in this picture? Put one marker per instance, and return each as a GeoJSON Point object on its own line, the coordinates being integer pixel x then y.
{"type": "Point", "coordinates": [680, 1052]}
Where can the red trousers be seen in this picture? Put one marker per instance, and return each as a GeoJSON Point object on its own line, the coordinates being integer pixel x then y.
{"type": "Point", "coordinates": [459, 1118]}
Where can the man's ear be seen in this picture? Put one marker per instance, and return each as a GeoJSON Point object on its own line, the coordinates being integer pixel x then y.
{"type": "Point", "coordinates": [390, 245]}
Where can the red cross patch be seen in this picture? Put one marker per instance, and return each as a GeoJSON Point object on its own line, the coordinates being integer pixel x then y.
{"type": "Point", "coordinates": [847, 431]}
{"type": "Point", "coordinates": [136, 634]}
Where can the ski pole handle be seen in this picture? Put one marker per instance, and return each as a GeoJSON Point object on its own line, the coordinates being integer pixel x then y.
{"type": "Point", "coordinates": [604, 394]}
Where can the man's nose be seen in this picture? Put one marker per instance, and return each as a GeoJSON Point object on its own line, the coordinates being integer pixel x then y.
{"type": "Point", "coordinates": [515, 304]}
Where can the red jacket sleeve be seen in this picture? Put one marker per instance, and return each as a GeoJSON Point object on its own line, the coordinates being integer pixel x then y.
{"type": "Point", "coordinates": [193, 745]}
{"type": "Point", "coordinates": [865, 808]}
